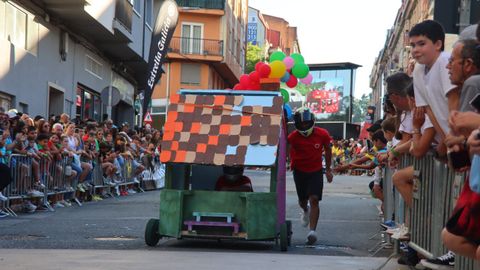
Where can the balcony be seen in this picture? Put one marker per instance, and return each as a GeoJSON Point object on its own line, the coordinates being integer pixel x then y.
{"type": "Point", "coordinates": [196, 46]}
{"type": "Point", "coordinates": [202, 4]}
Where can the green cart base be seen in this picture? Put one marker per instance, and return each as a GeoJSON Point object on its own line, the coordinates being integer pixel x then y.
{"type": "Point", "coordinates": [255, 214]}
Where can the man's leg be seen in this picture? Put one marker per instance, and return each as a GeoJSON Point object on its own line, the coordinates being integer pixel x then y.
{"type": "Point", "coordinates": [403, 182]}
{"type": "Point", "coordinates": [301, 188]}
{"type": "Point", "coordinates": [459, 244]}
{"type": "Point", "coordinates": [314, 212]}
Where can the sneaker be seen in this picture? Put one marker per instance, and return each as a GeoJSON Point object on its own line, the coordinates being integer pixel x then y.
{"type": "Point", "coordinates": [42, 208]}
{"type": "Point", "coordinates": [59, 205]}
{"type": "Point", "coordinates": [87, 185]}
{"type": "Point", "coordinates": [305, 217]}
{"type": "Point", "coordinates": [80, 188]}
{"type": "Point", "coordinates": [65, 203]}
{"type": "Point", "coordinates": [401, 234]}
{"type": "Point", "coordinates": [135, 180]}
{"type": "Point", "coordinates": [444, 262]}
{"type": "Point", "coordinates": [3, 198]}
{"type": "Point", "coordinates": [409, 258]}
{"type": "Point", "coordinates": [131, 191]}
{"type": "Point", "coordinates": [35, 193]}
{"type": "Point", "coordinates": [39, 185]}
{"type": "Point", "coordinates": [96, 198]}
{"type": "Point", "coordinates": [29, 207]}
{"type": "Point", "coordinates": [3, 214]}
{"type": "Point", "coordinates": [389, 224]}
{"type": "Point", "coordinates": [311, 238]}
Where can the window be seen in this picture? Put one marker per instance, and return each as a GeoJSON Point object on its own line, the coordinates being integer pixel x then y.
{"type": "Point", "coordinates": [192, 38]}
{"type": "Point", "coordinates": [16, 26]}
{"type": "Point", "coordinates": [5, 101]}
{"type": "Point", "coordinates": [23, 107]}
{"type": "Point", "coordinates": [32, 35]}
{"type": "Point", "coordinates": [137, 5]}
{"type": "Point", "coordinates": [93, 66]}
{"type": "Point", "coordinates": [88, 104]}
{"type": "Point", "coordinates": [149, 13]}
{"type": "Point", "coordinates": [190, 74]}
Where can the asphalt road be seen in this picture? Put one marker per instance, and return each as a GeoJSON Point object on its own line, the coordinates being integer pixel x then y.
{"type": "Point", "coordinates": [348, 218]}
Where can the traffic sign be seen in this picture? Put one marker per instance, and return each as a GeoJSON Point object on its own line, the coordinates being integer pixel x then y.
{"type": "Point", "coordinates": [148, 118]}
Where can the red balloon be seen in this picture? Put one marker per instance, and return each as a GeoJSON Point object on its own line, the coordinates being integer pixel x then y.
{"type": "Point", "coordinates": [292, 82]}
{"type": "Point", "coordinates": [237, 87]}
{"type": "Point", "coordinates": [254, 77]}
{"type": "Point", "coordinates": [255, 86]}
{"type": "Point", "coordinates": [264, 71]}
{"type": "Point", "coordinates": [244, 79]}
{"type": "Point", "coordinates": [258, 65]}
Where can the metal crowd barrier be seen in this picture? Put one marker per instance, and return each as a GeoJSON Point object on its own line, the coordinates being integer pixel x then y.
{"type": "Point", "coordinates": [436, 189]}
{"type": "Point", "coordinates": [56, 176]}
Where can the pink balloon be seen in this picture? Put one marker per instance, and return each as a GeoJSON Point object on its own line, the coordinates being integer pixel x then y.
{"type": "Point", "coordinates": [307, 80]}
{"type": "Point", "coordinates": [289, 62]}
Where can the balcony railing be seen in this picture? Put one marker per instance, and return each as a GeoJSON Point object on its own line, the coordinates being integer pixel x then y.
{"type": "Point", "coordinates": [123, 13]}
{"type": "Point", "coordinates": [197, 46]}
{"type": "Point", "coordinates": [207, 4]}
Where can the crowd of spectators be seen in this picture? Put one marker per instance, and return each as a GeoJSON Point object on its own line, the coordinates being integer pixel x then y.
{"type": "Point", "coordinates": [32, 151]}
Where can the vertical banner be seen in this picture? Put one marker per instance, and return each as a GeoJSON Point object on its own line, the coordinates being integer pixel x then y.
{"type": "Point", "coordinates": [167, 19]}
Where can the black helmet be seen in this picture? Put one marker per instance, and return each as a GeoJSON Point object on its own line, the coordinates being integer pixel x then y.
{"type": "Point", "coordinates": [232, 173]}
{"type": "Point", "coordinates": [304, 121]}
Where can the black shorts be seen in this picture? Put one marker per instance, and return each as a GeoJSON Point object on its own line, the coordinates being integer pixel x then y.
{"type": "Point", "coordinates": [371, 184]}
{"type": "Point", "coordinates": [308, 184]}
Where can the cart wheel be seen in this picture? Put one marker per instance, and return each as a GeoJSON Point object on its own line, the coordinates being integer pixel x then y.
{"type": "Point", "coordinates": [151, 232]}
{"type": "Point", "coordinates": [289, 232]}
{"type": "Point", "coordinates": [283, 237]}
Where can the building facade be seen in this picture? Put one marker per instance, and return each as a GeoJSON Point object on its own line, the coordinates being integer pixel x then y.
{"type": "Point", "coordinates": [281, 35]}
{"type": "Point", "coordinates": [396, 54]}
{"type": "Point", "coordinates": [257, 28]}
{"type": "Point", "coordinates": [58, 56]}
{"type": "Point", "coordinates": [207, 50]}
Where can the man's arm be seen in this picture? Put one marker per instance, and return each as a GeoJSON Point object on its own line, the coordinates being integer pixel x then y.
{"type": "Point", "coordinates": [328, 156]}
{"type": "Point", "coordinates": [328, 162]}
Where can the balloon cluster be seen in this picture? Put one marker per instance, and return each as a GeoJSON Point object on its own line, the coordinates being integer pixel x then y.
{"type": "Point", "coordinates": [289, 69]}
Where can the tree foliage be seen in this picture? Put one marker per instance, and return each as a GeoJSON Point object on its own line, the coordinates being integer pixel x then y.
{"type": "Point", "coordinates": [360, 108]}
{"type": "Point", "coordinates": [254, 55]}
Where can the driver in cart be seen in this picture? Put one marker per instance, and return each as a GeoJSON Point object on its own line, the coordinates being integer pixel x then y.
{"type": "Point", "coordinates": [233, 180]}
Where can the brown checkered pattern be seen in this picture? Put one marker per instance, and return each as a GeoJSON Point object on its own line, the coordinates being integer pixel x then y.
{"type": "Point", "coordinates": [200, 127]}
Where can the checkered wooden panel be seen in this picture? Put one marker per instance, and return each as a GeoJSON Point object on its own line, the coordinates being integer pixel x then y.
{"type": "Point", "coordinates": [217, 129]}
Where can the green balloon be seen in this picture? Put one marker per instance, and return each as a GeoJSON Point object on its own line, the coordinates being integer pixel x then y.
{"type": "Point", "coordinates": [298, 58]}
{"type": "Point", "coordinates": [285, 95]}
{"type": "Point", "coordinates": [300, 70]}
{"type": "Point", "coordinates": [278, 55]}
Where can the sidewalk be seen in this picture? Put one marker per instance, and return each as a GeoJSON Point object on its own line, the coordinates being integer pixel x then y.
{"type": "Point", "coordinates": [52, 259]}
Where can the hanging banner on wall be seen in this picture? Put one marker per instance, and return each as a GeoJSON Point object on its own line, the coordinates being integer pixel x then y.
{"type": "Point", "coordinates": [167, 19]}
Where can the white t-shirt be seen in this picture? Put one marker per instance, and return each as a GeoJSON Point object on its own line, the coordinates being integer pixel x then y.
{"type": "Point", "coordinates": [431, 89]}
{"type": "Point", "coordinates": [406, 122]}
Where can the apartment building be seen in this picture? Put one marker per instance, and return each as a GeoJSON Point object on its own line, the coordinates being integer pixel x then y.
{"type": "Point", "coordinates": [281, 35]}
{"type": "Point", "coordinates": [207, 50]}
{"type": "Point", "coordinates": [58, 56]}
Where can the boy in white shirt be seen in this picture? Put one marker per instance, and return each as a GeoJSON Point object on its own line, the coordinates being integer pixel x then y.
{"type": "Point", "coordinates": [434, 92]}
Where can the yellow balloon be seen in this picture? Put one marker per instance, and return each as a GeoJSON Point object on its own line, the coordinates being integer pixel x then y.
{"type": "Point", "coordinates": [278, 69]}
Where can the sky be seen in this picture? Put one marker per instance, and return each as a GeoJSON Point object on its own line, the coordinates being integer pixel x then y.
{"type": "Point", "coordinates": [338, 30]}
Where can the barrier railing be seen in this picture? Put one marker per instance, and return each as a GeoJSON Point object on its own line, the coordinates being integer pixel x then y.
{"type": "Point", "coordinates": [435, 191]}
{"type": "Point", "coordinates": [47, 179]}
